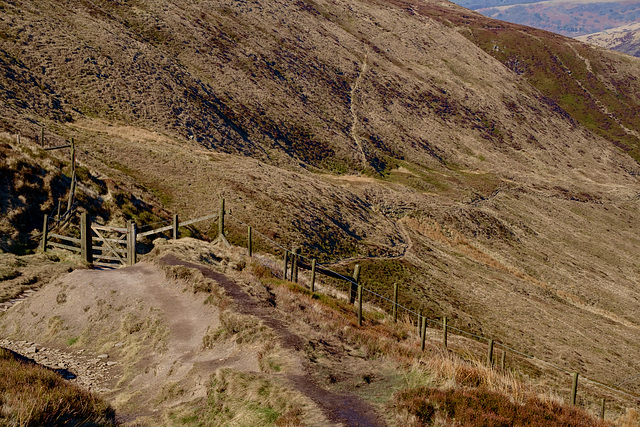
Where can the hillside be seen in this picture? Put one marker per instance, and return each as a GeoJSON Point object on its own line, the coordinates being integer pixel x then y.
{"type": "Point", "coordinates": [201, 334]}
{"type": "Point", "coordinates": [624, 39]}
{"type": "Point", "coordinates": [489, 168]}
{"type": "Point", "coordinates": [570, 18]}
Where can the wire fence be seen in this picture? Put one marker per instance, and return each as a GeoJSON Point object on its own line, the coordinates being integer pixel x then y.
{"type": "Point", "coordinates": [418, 316]}
{"type": "Point", "coordinates": [384, 301]}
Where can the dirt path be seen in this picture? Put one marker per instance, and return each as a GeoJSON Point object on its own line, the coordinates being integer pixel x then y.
{"type": "Point", "coordinates": [338, 407]}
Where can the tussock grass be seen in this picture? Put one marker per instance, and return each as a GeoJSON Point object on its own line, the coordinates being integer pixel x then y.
{"type": "Point", "coordinates": [436, 387]}
{"type": "Point", "coordinates": [33, 396]}
{"type": "Point", "coordinates": [482, 407]}
{"type": "Point", "coordinates": [243, 399]}
{"type": "Point", "coordinates": [241, 327]}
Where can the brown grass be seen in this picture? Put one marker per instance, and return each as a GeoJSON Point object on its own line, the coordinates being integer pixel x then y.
{"type": "Point", "coordinates": [33, 396]}
{"type": "Point", "coordinates": [480, 407]}
{"type": "Point", "coordinates": [20, 273]}
{"type": "Point", "coordinates": [436, 386]}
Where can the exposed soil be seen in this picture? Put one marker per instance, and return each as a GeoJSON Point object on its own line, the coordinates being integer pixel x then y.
{"type": "Point", "coordinates": [130, 333]}
{"type": "Point", "coordinates": [339, 407]}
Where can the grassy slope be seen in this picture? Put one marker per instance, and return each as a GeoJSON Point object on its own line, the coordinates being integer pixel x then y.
{"type": "Point", "coordinates": [32, 395]}
{"type": "Point", "coordinates": [509, 184]}
{"type": "Point", "coordinates": [594, 87]}
{"type": "Point", "coordinates": [380, 363]}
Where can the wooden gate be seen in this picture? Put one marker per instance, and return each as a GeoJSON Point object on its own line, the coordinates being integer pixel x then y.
{"type": "Point", "coordinates": [111, 246]}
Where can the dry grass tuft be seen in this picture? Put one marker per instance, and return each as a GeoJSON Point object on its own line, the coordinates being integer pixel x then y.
{"type": "Point", "coordinates": [482, 407]}
{"type": "Point", "coordinates": [449, 370]}
{"type": "Point", "coordinates": [34, 396]}
{"type": "Point", "coordinates": [246, 399]}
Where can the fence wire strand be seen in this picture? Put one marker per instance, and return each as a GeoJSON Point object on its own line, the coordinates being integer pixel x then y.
{"type": "Point", "coordinates": [166, 221]}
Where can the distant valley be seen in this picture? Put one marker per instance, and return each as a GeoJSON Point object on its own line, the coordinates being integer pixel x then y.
{"type": "Point", "coordinates": [570, 18]}
{"type": "Point", "coordinates": [624, 39]}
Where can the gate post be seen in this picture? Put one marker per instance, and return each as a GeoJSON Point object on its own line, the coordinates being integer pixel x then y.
{"type": "Point", "coordinates": [176, 224]}
{"type": "Point", "coordinates": [131, 242]}
{"type": "Point", "coordinates": [313, 275]}
{"type": "Point", "coordinates": [45, 233]}
{"type": "Point", "coordinates": [354, 284]}
{"type": "Point", "coordinates": [86, 240]}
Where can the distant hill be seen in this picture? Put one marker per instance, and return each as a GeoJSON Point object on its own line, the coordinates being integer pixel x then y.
{"type": "Point", "coordinates": [623, 39]}
{"type": "Point", "coordinates": [569, 18]}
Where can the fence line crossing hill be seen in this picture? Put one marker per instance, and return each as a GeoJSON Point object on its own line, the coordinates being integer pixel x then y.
{"type": "Point", "coordinates": [113, 247]}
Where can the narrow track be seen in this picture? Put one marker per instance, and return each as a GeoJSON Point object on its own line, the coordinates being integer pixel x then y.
{"type": "Point", "coordinates": [338, 407]}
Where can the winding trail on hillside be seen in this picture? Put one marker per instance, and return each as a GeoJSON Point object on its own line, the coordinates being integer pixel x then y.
{"type": "Point", "coordinates": [338, 407]}
{"type": "Point", "coordinates": [352, 107]}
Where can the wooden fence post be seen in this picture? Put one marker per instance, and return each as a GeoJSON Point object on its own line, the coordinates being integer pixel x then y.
{"type": "Point", "coordinates": [249, 242]}
{"type": "Point", "coordinates": [45, 233]}
{"type": "Point", "coordinates": [423, 332]}
{"type": "Point", "coordinates": [359, 305]}
{"type": "Point", "coordinates": [503, 359]}
{"type": "Point", "coordinates": [294, 265]}
{"type": "Point", "coordinates": [86, 239]}
{"type": "Point", "coordinates": [444, 331]}
{"type": "Point", "coordinates": [286, 264]}
{"type": "Point", "coordinates": [313, 275]}
{"type": "Point", "coordinates": [395, 302]}
{"type": "Point", "coordinates": [131, 242]}
{"type": "Point", "coordinates": [574, 388]}
{"type": "Point", "coordinates": [59, 213]}
{"type": "Point", "coordinates": [221, 219]}
{"type": "Point", "coordinates": [490, 354]}
{"type": "Point", "coordinates": [354, 284]}
{"type": "Point", "coordinates": [602, 409]}
{"type": "Point", "coordinates": [176, 224]}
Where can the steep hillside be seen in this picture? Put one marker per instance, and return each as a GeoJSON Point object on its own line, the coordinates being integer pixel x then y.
{"type": "Point", "coordinates": [624, 39]}
{"type": "Point", "coordinates": [489, 168]}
